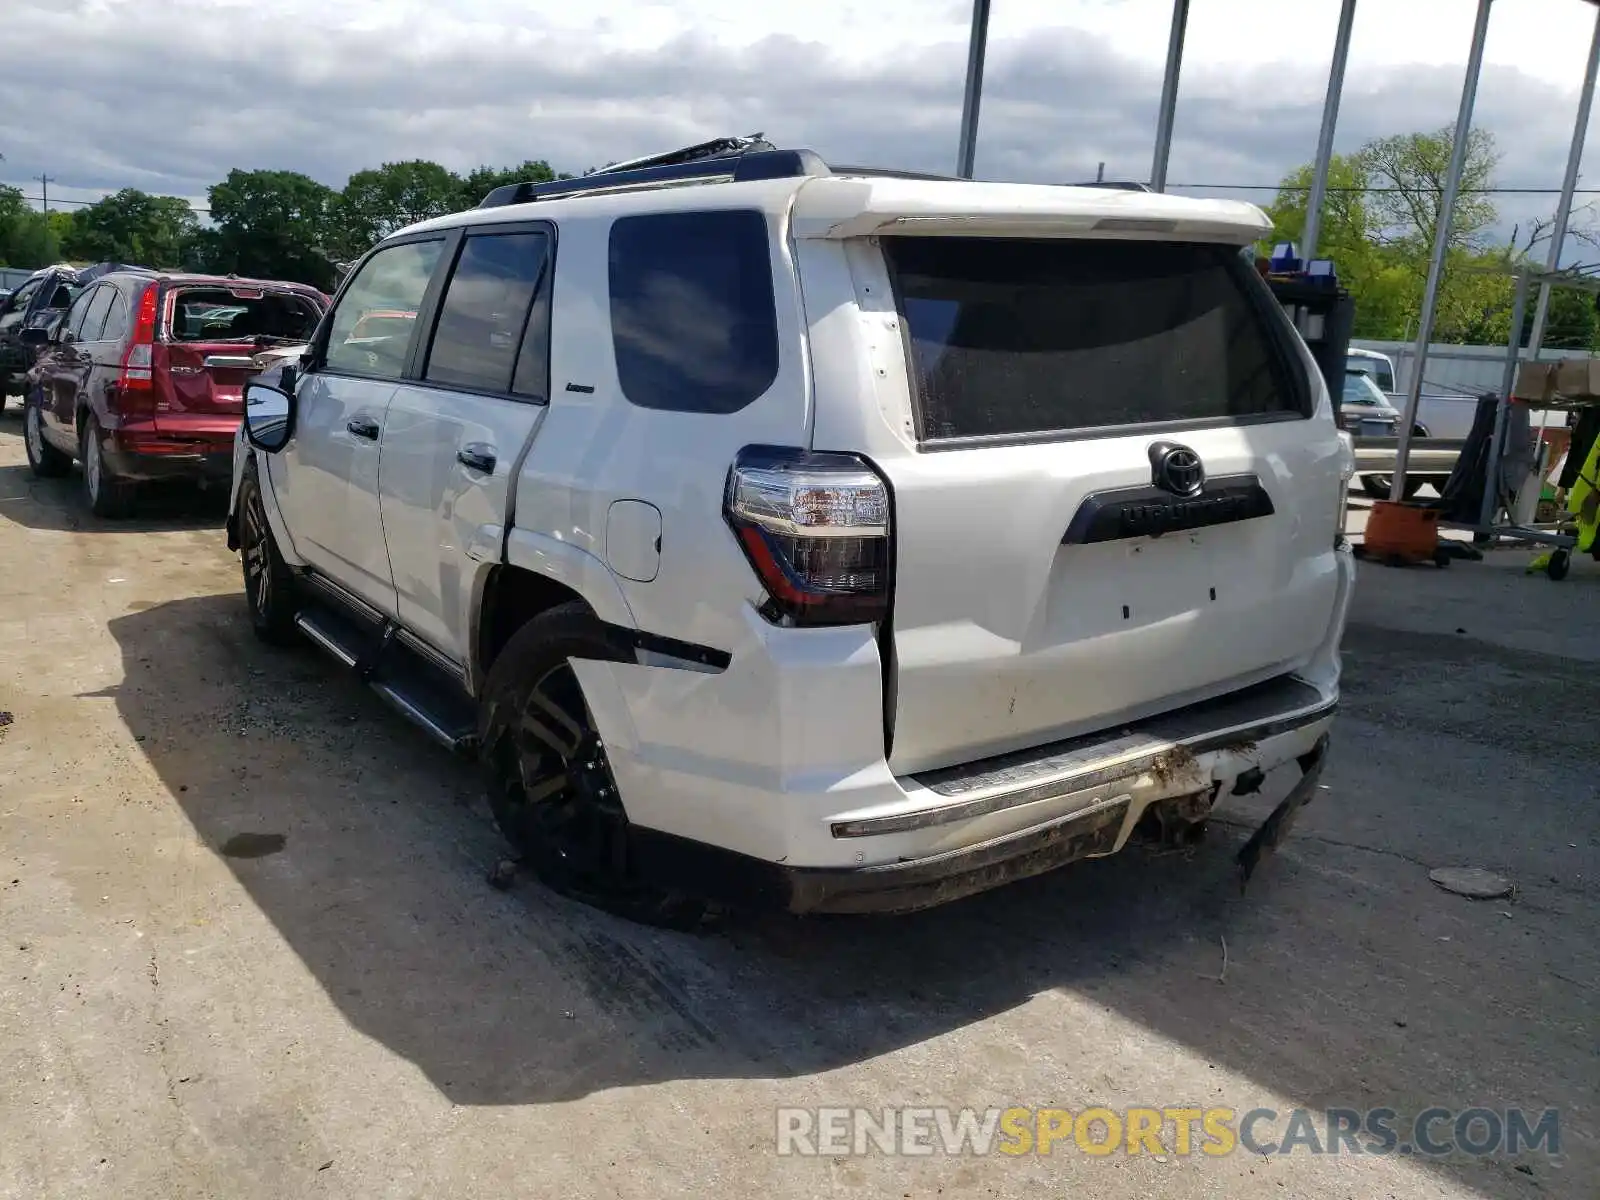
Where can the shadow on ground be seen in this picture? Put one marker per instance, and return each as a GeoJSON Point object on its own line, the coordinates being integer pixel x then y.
{"type": "Point", "coordinates": [1350, 981]}
{"type": "Point", "coordinates": [60, 505]}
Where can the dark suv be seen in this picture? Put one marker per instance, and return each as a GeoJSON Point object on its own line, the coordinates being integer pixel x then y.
{"type": "Point", "coordinates": [143, 378]}
{"type": "Point", "coordinates": [37, 303]}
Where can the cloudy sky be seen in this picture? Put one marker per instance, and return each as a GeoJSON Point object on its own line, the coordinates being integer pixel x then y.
{"type": "Point", "coordinates": [166, 95]}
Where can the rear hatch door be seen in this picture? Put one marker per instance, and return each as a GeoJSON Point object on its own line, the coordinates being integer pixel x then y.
{"type": "Point", "coordinates": [211, 337]}
{"type": "Point", "coordinates": [1119, 501]}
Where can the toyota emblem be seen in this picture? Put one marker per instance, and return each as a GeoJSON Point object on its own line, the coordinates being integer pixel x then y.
{"type": "Point", "coordinates": [1176, 469]}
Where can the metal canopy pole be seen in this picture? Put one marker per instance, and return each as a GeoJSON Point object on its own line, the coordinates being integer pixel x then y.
{"type": "Point", "coordinates": [969, 104]}
{"type": "Point", "coordinates": [1491, 477]}
{"type": "Point", "coordinates": [1558, 232]}
{"type": "Point", "coordinates": [1441, 243]}
{"type": "Point", "coordinates": [1169, 95]}
{"type": "Point", "coordinates": [1330, 118]}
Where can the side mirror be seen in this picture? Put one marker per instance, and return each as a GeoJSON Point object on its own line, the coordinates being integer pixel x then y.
{"type": "Point", "coordinates": [268, 417]}
{"type": "Point", "coordinates": [34, 337]}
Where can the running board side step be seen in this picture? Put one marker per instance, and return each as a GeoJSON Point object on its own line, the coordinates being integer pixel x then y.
{"type": "Point", "coordinates": [457, 740]}
{"type": "Point", "coordinates": [327, 639]}
{"type": "Point", "coordinates": [406, 681]}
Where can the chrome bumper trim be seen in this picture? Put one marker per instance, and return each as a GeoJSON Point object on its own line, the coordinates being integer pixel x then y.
{"type": "Point", "coordinates": [1090, 765]}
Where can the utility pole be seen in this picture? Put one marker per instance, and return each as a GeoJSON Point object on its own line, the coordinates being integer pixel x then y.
{"type": "Point", "coordinates": [968, 150]}
{"type": "Point", "coordinates": [1558, 233]}
{"type": "Point", "coordinates": [1169, 96]}
{"type": "Point", "coordinates": [1441, 245]}
{"type": "Point", "coordinates": [44, 190]}
{"type": "Point", "coordinates": [1330, 118]}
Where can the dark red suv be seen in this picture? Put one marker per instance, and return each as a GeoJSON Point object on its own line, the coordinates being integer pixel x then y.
{"type": "Point", "coordinates": [143, 378]}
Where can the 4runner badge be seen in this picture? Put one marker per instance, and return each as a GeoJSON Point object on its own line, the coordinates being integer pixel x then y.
{"type": "Point", "coordinates": [1176, 469]}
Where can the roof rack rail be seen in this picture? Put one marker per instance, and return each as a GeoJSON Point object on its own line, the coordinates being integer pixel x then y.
{"type": "Point", "coordinates": [721, 160]}
{"type": "Point", "coordinates": [1117, 185]}
{"type": "Point", "coordinates": [897, 173]}
{"type": "Point", "coordinates": [731, 160]}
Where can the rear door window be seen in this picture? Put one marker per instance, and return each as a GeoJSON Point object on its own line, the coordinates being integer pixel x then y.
{"type": "Point", "coordinates": [1016, 338]}
{"type": "Point", "coordinates": [693, 321]}
{"type": "Point", "coordinates": [94, 317]}
{"type": "Point", "coordinates": [485, 310]}
{"type": "Point", "coordinates": [73, 324]}
{"type": "Point", "coordinates": [116, 326]}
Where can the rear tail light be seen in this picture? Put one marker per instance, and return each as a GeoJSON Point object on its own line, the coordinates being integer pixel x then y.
{"type": "Point", "coordinates": [1347, 470]}
{"type": "Point", "coordinates": [138, 358]}
{"type": "Point", "coordinates": [815, 528]}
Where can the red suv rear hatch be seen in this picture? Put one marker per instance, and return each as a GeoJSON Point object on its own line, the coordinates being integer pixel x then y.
{"type": "Point", "coordinates": [210, 334]}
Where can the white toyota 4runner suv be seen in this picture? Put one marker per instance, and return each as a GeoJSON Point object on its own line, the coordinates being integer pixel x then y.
{"type": "Point", "coordinates": [830, 539]}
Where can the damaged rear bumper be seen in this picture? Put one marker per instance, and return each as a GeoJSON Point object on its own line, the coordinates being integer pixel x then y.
{"type": "Point", "coordinates": [1048, 807]}
{"type": "Point", "coordinates": [1276, 827]}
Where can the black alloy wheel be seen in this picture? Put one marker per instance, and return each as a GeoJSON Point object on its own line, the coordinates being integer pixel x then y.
{"type": "Point", "coordinates": [550, 783]}
{"type": "Point", "coordinates": [268, 581]}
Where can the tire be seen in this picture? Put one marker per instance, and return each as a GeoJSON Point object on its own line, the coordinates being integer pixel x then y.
{"type": "Point", "coordinates": [1377, 486]}
{"type": "Point", "coordinates": [269, 584]}
{"type": "Point", "coordinates": [1560, 562]}
{"type": "Point", "coordinates": [550, 787]}
{"type": "Point", "coordinates": [44, 460]}
{"type": "Point", "coordinates": [108, 496]}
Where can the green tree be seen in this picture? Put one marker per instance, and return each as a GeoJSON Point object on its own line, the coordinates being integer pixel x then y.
{"type": "Point", "coordinates": [132, 227]}
{"type": "Point", "coordinates": [1571, 323]}
{"type": "Point", "coordinates": [270, 224]}
{"type": "Point", "coordinates": [1382, 288]}
{"type": "Point", "coordinates": [1407, 175]}
{"type": "Point", "coordinates": [378, 201]}
{"type": "Point", "coordinates": [26, 239]}
{"type": "Point", "coordinates": [1379, 222]}
{"type": "Point", "coordinates": [60, 222]}
{"type": "Point", "coordinates": [484, 180]}
{"type": "Point", "coordinates": [1346, 228]}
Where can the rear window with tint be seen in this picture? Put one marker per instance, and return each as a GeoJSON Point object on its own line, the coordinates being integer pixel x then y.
{"type": "Point", "coordinates": [693, 321]}
{"type": "Point", "coordinates": [1014, 337]}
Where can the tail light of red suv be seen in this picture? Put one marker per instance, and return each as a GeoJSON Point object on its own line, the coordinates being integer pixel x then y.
{"type": "Point", "coordinates": [816, 529]}
{"type": "Point", "coordinates": [138, 357]}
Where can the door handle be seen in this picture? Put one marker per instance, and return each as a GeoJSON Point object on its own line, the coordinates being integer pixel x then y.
{"type": "Point", "coordinates": [475, 456]}
{"type": "Point", "coordinates": [363, 427]}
